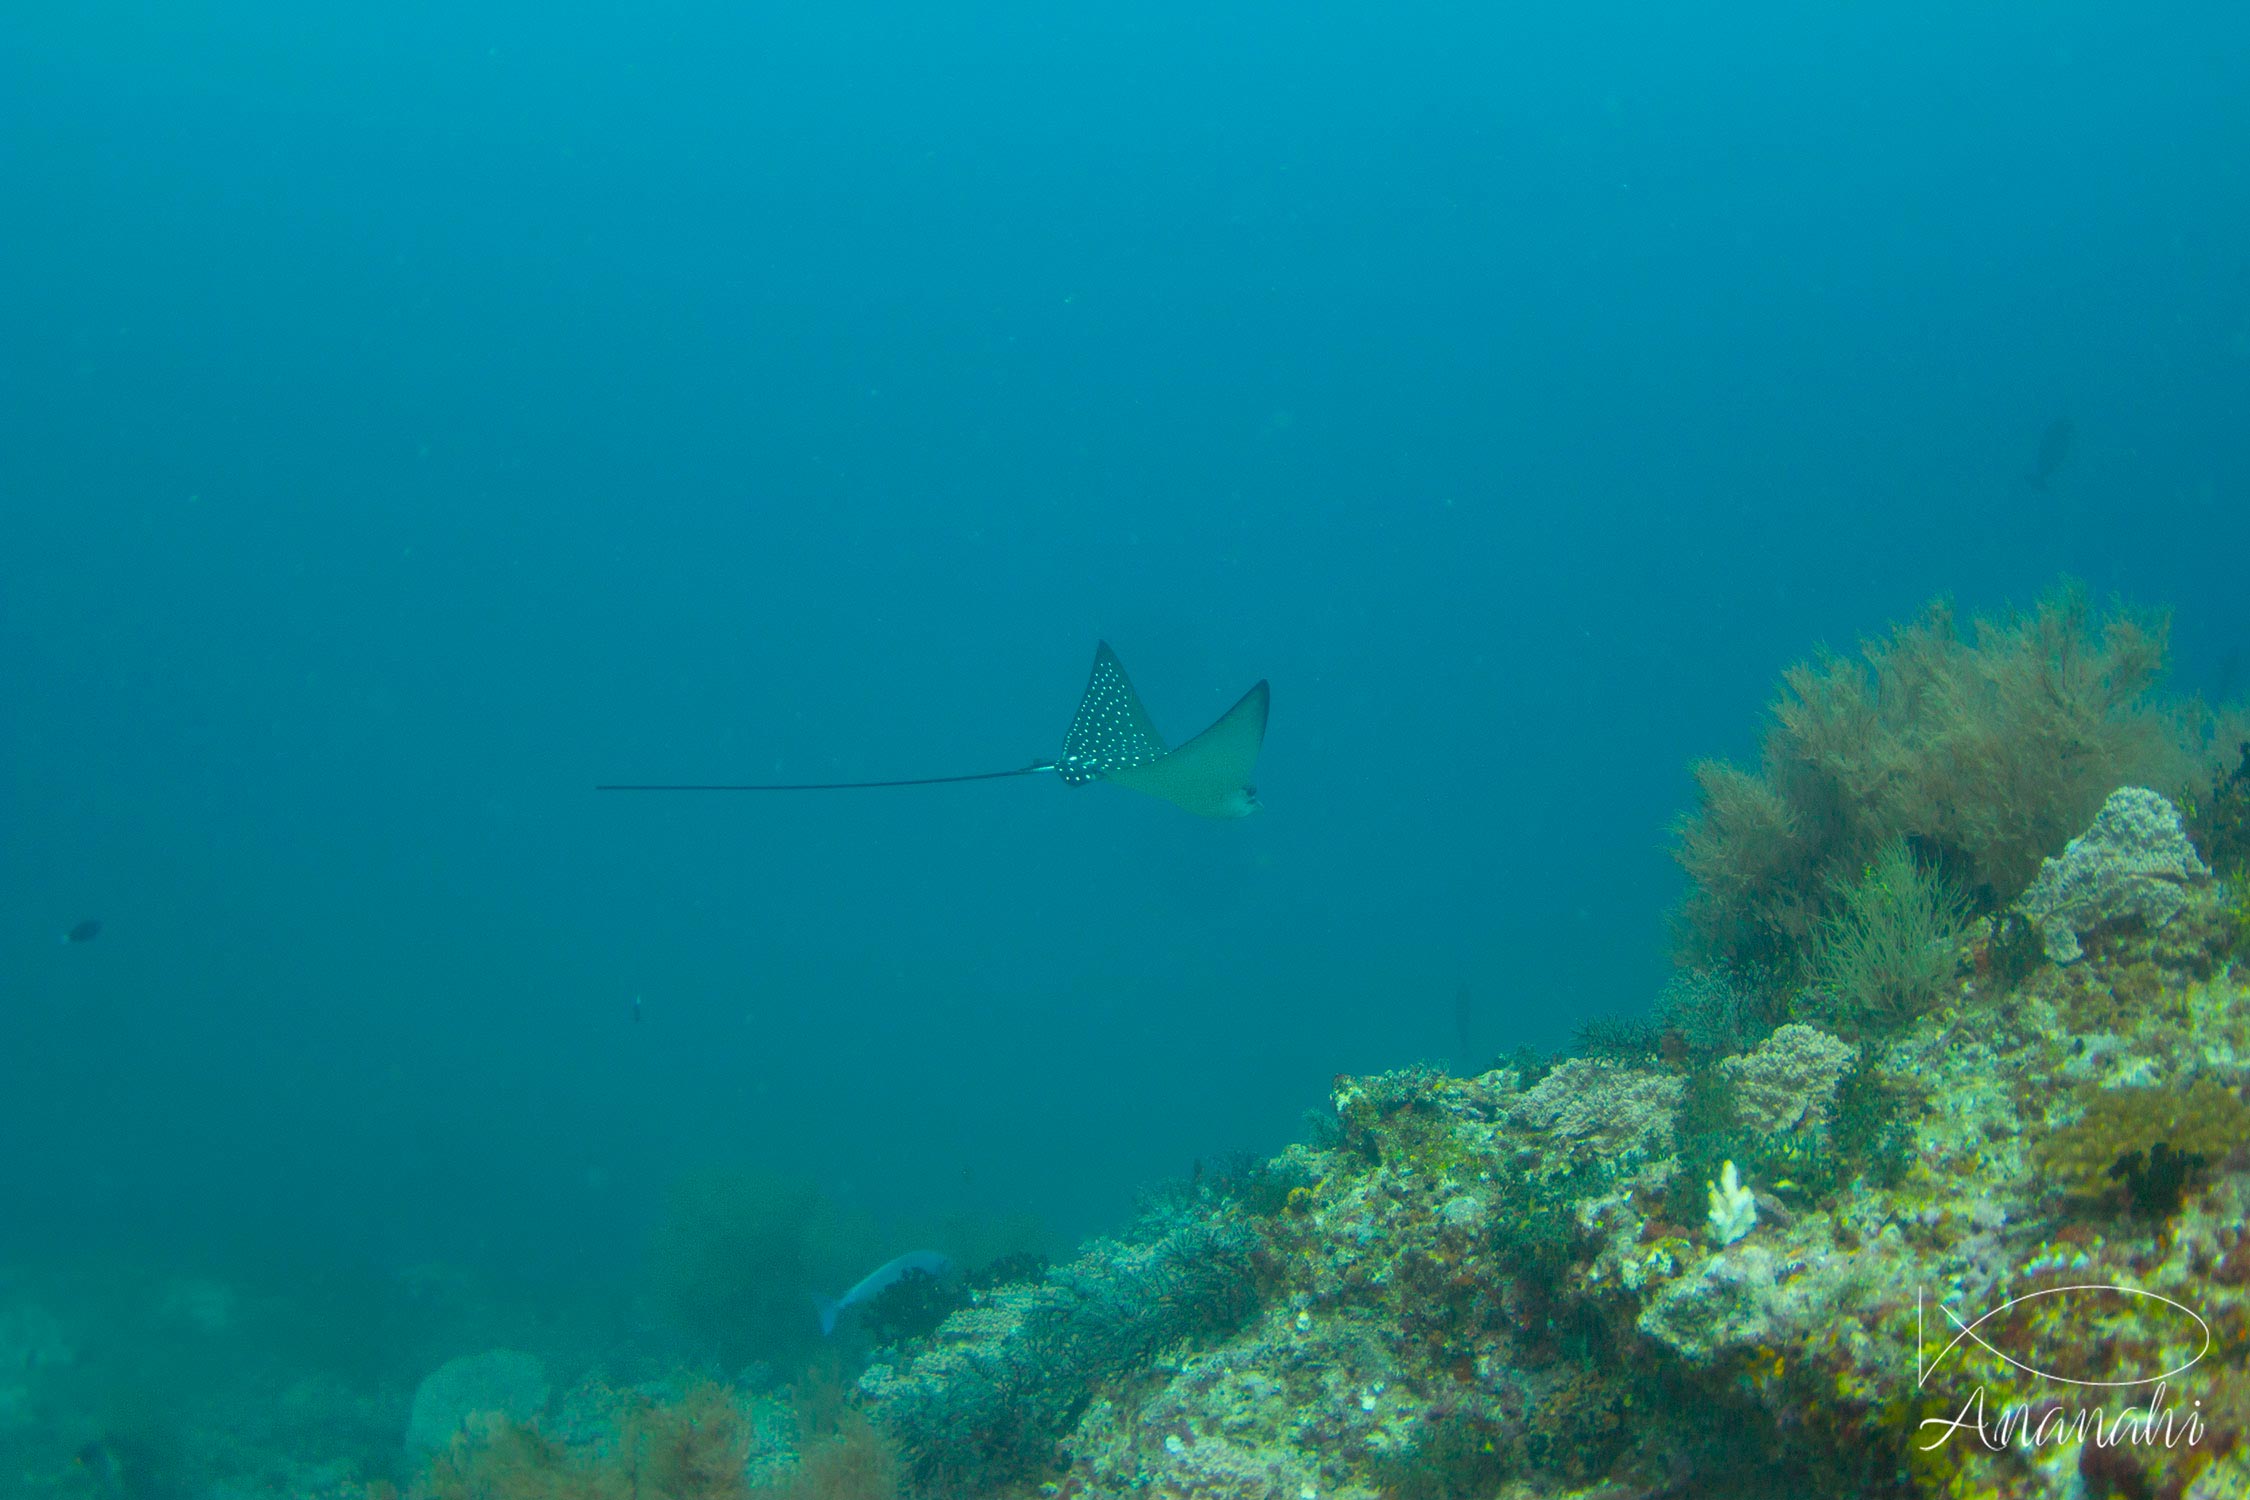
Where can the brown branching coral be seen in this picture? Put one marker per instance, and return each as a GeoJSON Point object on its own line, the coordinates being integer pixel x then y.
{"type": "Point", "coordinates": [698, 1447]}
{"type": "Point", "coordinates": [505, 1460]}
{"type": "Point", "coordinates": [1983, 750]}
{"type": "Point", "coordinates": [853, 1463]}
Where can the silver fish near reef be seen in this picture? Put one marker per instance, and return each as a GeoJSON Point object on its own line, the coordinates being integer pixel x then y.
{"type": "Point", "coordinates": [880, 1280]}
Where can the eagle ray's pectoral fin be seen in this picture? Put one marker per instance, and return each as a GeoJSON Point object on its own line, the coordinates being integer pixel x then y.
{"type": "Point", "coordinates": [1210, 774]}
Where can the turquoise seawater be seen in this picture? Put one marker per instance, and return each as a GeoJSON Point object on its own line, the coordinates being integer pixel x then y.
{"type": "Point", "coordinates": [412, 417]}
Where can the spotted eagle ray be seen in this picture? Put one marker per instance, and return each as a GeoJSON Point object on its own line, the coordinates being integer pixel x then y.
{"type": "Point", "coordinates": [1111, 739]}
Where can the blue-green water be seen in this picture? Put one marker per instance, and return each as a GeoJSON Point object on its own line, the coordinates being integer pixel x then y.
{"type": "Point", "coordinates": [413, 416]}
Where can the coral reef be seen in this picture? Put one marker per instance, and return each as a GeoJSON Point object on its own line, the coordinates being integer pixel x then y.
{"type": "Point", "coordinates": [1682, 1277]}
{"type": "Point", "coordinates": [1733, 1271]}
{"type": "Point", "coordinates": [1905, 1188]}
{"type": "Point", "coordinates": [2132, 865]}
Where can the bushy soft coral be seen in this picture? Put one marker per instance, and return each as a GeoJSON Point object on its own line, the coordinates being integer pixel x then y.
{"type": "Point", "coordinates": [506, 1460]}
{"type": "Point", "coordinates": [1985, 753]}
{"type": "Point", "coordinates": [698, 1447]}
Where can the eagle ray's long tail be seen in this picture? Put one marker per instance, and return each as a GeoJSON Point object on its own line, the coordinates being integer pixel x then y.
{"type": "Point", "coordinates": [826, 786]}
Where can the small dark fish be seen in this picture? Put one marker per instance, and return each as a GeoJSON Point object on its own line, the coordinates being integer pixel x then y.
{"type": "Point", "coordinates": [2054, 450]}
{"type": "Point", "coordinates": [84, 932]}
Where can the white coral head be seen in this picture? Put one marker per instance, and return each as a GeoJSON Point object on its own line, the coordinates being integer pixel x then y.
{"type": "Point", "coordinates": [1733, 1210]}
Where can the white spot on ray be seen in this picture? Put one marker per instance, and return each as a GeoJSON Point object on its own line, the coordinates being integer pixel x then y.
{"type": "Point", "coordinates": [1112, 731]}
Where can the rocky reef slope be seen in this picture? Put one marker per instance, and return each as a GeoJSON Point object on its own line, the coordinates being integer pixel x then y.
{"type": "Point", "coordinates": [1669, 1275]}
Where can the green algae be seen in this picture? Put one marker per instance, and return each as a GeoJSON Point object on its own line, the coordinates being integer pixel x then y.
{"type": "Point", "coordinates": [1884, 953]}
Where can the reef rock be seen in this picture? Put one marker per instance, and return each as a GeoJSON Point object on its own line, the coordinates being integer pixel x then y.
{"type": "Point", "coordinates": [2132, 864]}
{"type": "Point", "coordinates": [1471, 1287]}
{"type": "Point", "coordinates": [503, 1383]}
{"type": "Point", "coordinates": [1789, 1078]}
{"type": "Point", "coordinates": [1599, 1108]}
{"type": "Point", "coordinates": [1729, 1301]}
